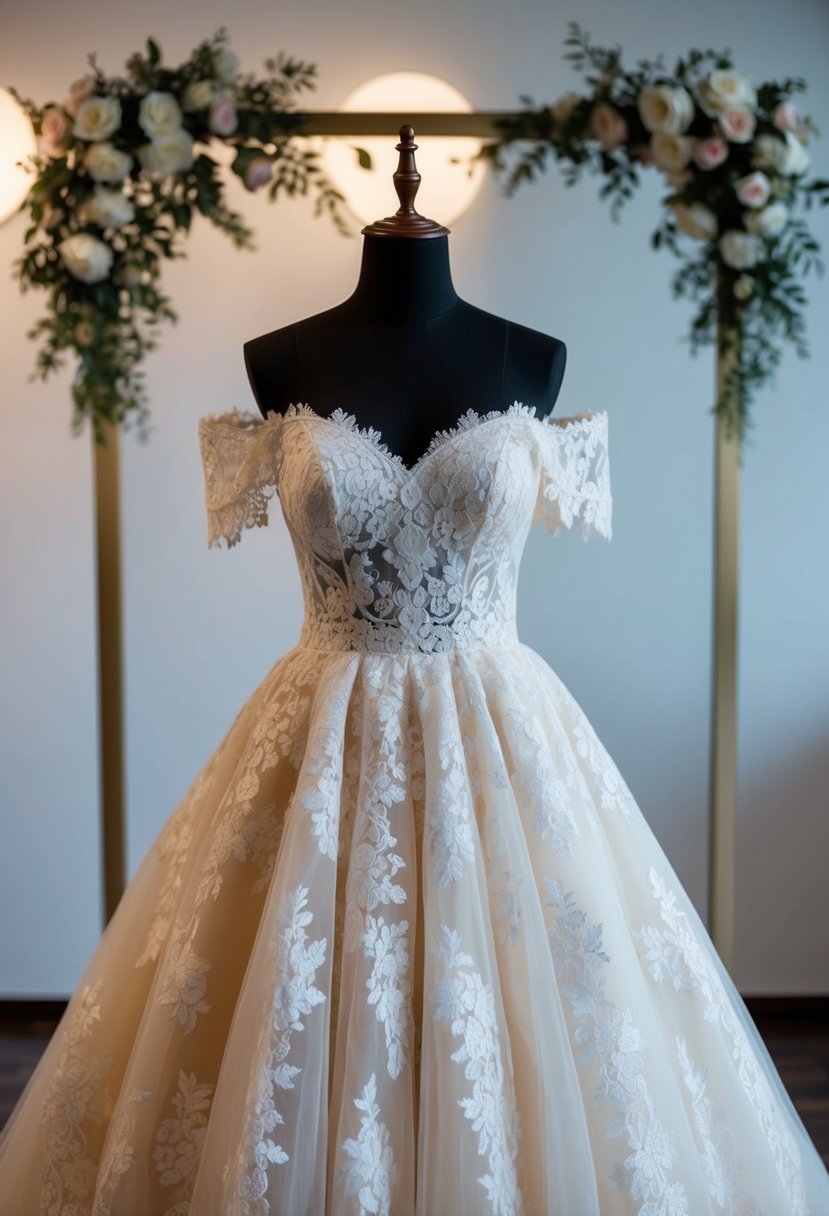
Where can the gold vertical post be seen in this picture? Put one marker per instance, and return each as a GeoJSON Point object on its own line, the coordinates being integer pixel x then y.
{"type": "Point", "coordinates": [110, 666]}
{"type": "Point", "coordinates": [723, 787]}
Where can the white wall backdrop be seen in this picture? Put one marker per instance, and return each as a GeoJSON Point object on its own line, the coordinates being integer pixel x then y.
{"type": "Point", "coordinates": [626, 625]}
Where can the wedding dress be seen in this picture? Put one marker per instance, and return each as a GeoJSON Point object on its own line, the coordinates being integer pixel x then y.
{"type": "Point", "coordinates": [407, 944]}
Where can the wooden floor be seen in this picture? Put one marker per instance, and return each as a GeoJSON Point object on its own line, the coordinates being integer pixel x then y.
{"type": "Point", "coordinates": [798, 1045]}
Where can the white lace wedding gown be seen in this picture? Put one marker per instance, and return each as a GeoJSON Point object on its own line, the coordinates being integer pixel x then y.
{"type": "Point", "coordinates": [407, 944]}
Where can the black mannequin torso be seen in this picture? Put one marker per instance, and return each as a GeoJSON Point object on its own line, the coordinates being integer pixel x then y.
{"type": "Point", "coordinates": [404, 354]}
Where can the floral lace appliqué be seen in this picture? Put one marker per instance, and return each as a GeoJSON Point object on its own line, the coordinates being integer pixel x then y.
{"type": "Point", "coordinates": [72, 1100]}
{"type": "Point", "coordinates": [295, 996]}
{"type": "Point", "coordinates": [676, 953]}
{"type": "Point", "coordinates": [389, 985]}
{"type": "Point", "coordinates": [613, 1041]}
{"type": "Point", "coordinates": [370, 1171]}
{"type": "Point", "coordinates": [462, 998]}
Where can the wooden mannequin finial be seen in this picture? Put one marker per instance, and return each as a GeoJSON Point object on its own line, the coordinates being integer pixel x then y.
{"type": "Point", "coordinates": [406, 221]}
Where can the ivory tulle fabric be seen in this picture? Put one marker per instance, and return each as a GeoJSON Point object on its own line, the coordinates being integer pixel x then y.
{"type": "Point", "coordinates": [407, 946]}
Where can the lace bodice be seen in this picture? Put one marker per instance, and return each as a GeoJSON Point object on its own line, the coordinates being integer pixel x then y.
{"type": "Point", "coordinates": [406, 558]}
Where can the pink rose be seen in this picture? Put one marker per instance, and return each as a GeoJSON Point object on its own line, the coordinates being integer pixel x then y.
{"type": "Point", "coordinates": [223, 120]}
{"type": "Point", "coordinates": [711, 152]}
{"type": "Point", "coordinates": [737, 124]}
{"type": "Point", "coordinates": [785, 116]}
{"type": "Point", "coordinates": [54, 127]}
{"type": "Point", "coordinates": [753, 190]}
{"type": "Point", "coordinates": [258, 172]}
{"type": "Point", "coordinates": [78, 92]}
{"type": "Point", "coordinates": [608, 126]}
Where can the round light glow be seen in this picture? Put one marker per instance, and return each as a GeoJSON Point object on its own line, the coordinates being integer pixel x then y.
{"type": "Point", "coordinates": [17, 142]}
{"type": "Point", "coordinates": [447, 188]}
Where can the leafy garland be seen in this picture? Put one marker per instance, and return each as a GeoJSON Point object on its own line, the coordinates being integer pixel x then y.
{"type": "Point", "coordinates": [734, 158]}
{"type": "Point", "coordinates": [119, 176]}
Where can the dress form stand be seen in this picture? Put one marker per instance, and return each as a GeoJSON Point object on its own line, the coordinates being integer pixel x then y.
{"type": "Point", "coordinates": [404, 353]}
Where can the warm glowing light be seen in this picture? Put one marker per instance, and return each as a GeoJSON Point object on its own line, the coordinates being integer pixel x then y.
{"type": "Point", "coordinates": [447, 188]}
{"type": "Point", "coordinates": [17, 142]}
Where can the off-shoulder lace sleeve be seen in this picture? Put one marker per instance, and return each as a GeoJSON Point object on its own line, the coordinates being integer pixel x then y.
{"type": "Point", "coordinates": [240, 454]}
{"type": "Point", "coordinates": [574, 480]}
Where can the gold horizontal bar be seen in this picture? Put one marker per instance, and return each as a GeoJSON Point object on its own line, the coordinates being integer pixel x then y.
{"type": "Point", "coordinates": [343, 122]}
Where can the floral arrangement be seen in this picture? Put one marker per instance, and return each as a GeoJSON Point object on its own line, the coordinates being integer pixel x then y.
{"type": "Point", "coordinates": [121, 166]}
{"type": "Point", "coordinates": [734, 158]}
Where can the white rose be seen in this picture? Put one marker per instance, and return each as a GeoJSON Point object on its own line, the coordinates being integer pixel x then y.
{"type": "Point", "coordinates": [97, 117]}
{"type": "Point", "coordinates": [741, 250]}
{"type": "Point", "coordinates": [695, 219]}
{"type": "Point", "coordinates": [563, 108]}
{"type": "Point", "coordinates": [753, 190]}
{"type": "Point", "coordinates": [724, 89]}
{"type": "Point", "coordinates": [85, 257]}
{"type": "Point", "coordinates": [666, 109]}
{"type": "Point", "coordinates": [109, 208]}
{"type": "Point", "coordinates": [106, 163]}
{"type": "Point", "coordinates": [671, 153]}
{"type": "Point", "coordinates": [159, 115]}
{"type": "Point", "coordinates": [197, 96]}
{"type": "Point", "coordinates": [768, 221]}
{"type": "Point", "coordinates": [225, 65]}
{"type": "Point", "coordinates": [172, 154]}
{"type": "Point", "coordinates": [796, 160]}
{"type": "Point", "coordinates": [743, 286]}
{"type": "Point", "coordinates": [785, 154]}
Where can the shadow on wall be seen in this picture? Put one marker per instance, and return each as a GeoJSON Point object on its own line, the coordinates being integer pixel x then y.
{"type": "Point", "coordinates": [781, 809]}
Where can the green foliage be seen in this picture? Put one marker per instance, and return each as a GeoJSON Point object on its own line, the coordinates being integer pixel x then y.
{"type": "Point", "coordinates": [772, 315]}
{"type": "Point", "coordinates": [111, 325]}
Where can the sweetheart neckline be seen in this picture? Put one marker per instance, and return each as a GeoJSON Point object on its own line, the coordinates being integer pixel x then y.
{"type": "Point", "coordinates": [468, 421]}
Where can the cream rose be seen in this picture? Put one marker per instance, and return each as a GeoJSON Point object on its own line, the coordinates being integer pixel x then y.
{"type": "Point", "coordinates": [671, 153]}
{"type": "Point", "coordinates": [223, 120]}
{"type": "Point", "coordinates": [768, 221]}
{"type": "Point", "coordinates": [662, 108]}
{"type": "Point", "coordinates": [259, 171]}
{"type": "Point", "coordinates": [97, 117]}
{"type": "Point", "coordinates": [198, 95]}
{"type": "Point", "coordinates": [84, 333]}
{"type": "Point", "coordinates": [743, 286]}
{"type": "Point", "coordinates": [159, 115]}
{"type": "Point", "coordinates": [172, 154]}
{"type": "Point", "coordinates": [722, 90]}
{"type": "Point", "coordinates": [608, 126]}
{"type": "Point", "coordinates": [225, 65]}
{"type": "Point", "coordinates": [708, 153]}
{"type": "Point", "coordinates": [741, 250]}
{"type": "Point", "coordinates": [106, 163]}
{"type": "Point", "coordinates": [695, 219]}
{"type": "Point", "coordinates": [85, 257]}
{"type": "Point", "coordinates": [753, 190]}
{"type": "Point", "coordinates": [737, 124]}
{"type": "Point", "coordinates": [107, 207]}
{"type": "Point", "coordinates": [563, 108]}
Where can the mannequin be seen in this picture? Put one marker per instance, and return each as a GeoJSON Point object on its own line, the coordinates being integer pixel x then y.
{"type": "Point", "coordinates": [404, 354]}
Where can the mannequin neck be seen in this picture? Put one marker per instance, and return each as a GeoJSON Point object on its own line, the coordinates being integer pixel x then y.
{"type": "Point", "coordinates": [405, 277]}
